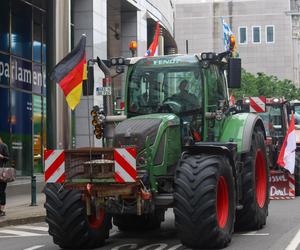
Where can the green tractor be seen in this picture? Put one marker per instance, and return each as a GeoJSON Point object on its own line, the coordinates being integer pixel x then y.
{"type": "Point", "coordinates": [192, 152]}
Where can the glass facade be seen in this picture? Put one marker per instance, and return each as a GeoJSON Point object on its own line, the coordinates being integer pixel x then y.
{"type": "Point", "coordinates": [23, 32]}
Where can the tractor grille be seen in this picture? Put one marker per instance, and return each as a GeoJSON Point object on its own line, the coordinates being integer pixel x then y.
{"type": "Point", "coordinates": [133, 132]}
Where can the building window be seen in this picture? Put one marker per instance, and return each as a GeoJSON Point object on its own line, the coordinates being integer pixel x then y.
{"type": "Point", "coordinates": [270, 31]}
{"type": "Point", "coordinates": [242, 35]}
{"type": "Point", "coordinates": [256, 34]}
{"type": "Point", "coordinates": [4, 27]}
{"type": "Point", "coordinates": [21, 36]}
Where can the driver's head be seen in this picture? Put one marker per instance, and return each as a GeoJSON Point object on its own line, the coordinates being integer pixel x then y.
{"type": "Point", "coordinates": [183, 85]}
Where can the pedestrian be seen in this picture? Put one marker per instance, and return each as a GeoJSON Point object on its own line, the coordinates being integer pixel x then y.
{"type": "Point", "coordinates": [4, 156]}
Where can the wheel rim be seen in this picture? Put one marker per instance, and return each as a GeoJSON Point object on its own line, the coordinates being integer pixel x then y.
{"type": "Point", "coordinates": [222, 202]}
{"type": "Point", "coordinates": [261, 179]}
{"type": "Point", "coordinates": [95, 222]}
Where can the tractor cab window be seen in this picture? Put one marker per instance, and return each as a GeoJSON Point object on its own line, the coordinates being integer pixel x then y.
{"type": "Point", "coordinates": [216, 85]}
{"type": "Point", "coordinates": [165, 85]}
{"type": "Point", "coordinates": [169, 85]}
{"type": "Point", "coordinates": [297, 116]}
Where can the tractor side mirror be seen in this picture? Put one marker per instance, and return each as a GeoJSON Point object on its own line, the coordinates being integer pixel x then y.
{"type": "Point", "coordinates": [234, 73]}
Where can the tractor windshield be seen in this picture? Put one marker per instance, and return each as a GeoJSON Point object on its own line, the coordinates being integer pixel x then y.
{"type": "Point", "coordinates": [165, 84]}
{"type": "Point", "coordinates": [297, 116]}
{"type": "Point", "coordinates": [272, 120]}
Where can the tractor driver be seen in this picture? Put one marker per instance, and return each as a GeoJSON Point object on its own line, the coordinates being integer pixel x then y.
{"type": "Point", "coordinates": [189, 101]}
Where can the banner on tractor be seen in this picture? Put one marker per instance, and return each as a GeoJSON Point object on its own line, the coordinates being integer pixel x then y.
{"type": "Point", "coordinates": [257, 104]}
{"type": "Point", "coordinates": [125, 164]}
{"type": "Point", "coordinates": [54, 166]}
{"type": "Point", "coordinates": [282, 185]}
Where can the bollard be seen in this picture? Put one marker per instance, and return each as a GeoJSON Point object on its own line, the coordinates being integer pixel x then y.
{"type": "Point", "coordinates": [33, 190]}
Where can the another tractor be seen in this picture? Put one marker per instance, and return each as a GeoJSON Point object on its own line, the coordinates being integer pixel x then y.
{"type": "Point", "coordinates": [192, 152]}
{"type": "Point", "coordinates": [276, 117]}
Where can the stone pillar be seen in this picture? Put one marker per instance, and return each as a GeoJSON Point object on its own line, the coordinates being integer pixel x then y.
{"type": "Point", "coordinates": [90, 17]}
{"type": "Point", "coordinates": [128, 31]}
{"type": "Point", "coordinates": [58, 112]}
{"type": "Point", "coordinates": [141, 32]}
{"type": "Point", "coordinates": [161, 42]}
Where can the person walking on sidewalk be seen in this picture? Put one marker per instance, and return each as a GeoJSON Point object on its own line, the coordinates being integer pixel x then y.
{"type": "Point", "coordinates": [4, 154]}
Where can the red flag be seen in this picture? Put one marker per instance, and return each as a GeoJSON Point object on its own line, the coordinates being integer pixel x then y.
{"type": "Point", "coordinates": [286, 158]}
{"type": "Point", "coordinates": [154, 44]}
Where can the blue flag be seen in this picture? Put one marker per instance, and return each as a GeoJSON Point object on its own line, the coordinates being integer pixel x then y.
{"type": "Point", "coordinates": [227, 33]}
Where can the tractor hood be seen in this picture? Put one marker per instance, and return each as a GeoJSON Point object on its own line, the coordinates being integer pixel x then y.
{"type": "Point", "coordinates": [134, 131]}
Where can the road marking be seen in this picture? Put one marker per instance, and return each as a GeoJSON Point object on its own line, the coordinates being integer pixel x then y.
{"type": "Point", "coordinates": [175, 247]}
{"type": "Point", "coordinates": [131, 246]}
{"type": "Point", "coordinates": [34, 247]}
{"type": "Point", "coordinates": [160, 246]}
{"type": "Point", "coordinates": [254, 233]}
{"type": "Point", "coordinates": [44, 229]}
{"type": "Point", "coordinates": [19, 233]}
{"type": "Point", "coordinates": [294, 243]}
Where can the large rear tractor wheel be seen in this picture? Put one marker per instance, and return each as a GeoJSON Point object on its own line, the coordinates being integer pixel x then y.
{"type": "Point", "coordinates": [255, 186]}
{"type": "Point", "coordinates": [297, 174]}
{"type": "Point", "coordinates": [129, 222]}
{"type": "Point", "coordinates": [69, 224]}
{"type": "Point", "coordinates": [204, 201]}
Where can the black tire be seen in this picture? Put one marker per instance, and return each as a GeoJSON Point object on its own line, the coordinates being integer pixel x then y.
{"type": "Point", "coordinates": [255, 186]}
{"type": "Point", "coordinates": [195, 201]}
{"type": "Point", "coordinates": [129, 222]}
{"type": "Point", "coordinates": [68, 223]}
{"type": "Point", "coordinates": [297, 174]}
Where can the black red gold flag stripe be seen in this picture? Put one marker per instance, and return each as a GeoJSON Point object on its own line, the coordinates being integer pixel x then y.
{"type": "Point", "coordinates": [70, 72]}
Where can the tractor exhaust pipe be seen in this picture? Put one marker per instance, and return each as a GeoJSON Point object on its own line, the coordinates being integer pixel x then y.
{"type": "Point", "coordinates": [110, 120]}
{"type": "Point", "coordinates": [107, 81]}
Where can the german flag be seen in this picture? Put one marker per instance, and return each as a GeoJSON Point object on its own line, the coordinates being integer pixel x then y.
{"type": "Point", "coordinates": [70, 72]}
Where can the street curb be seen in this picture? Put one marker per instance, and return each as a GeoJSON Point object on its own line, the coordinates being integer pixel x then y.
{"type": "Point", "coordinates": [21, 221]}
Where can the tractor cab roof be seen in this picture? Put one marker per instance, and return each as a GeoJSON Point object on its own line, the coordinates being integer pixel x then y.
{"type": "Point", "coordinates": [178, 58]}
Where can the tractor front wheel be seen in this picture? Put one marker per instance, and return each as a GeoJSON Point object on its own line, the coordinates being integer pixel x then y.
{"type": "Point", "coordinates": [204, 201]}
{"type": "Point", "coordinates": [255, 186]}
{"type": "Point", "coordinates": [68, 222]}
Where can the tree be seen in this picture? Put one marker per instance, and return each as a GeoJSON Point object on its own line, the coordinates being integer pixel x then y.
{"type": "Point", "coordinates": [265, 85]}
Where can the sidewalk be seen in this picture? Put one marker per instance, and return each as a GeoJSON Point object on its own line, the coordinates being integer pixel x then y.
{"type": "Point", "coordinates": [18, 203]}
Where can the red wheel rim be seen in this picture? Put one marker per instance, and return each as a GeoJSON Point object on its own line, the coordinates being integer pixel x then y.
{"type": "Point", "coordinates": [222, 202]}
{"type": "Point", "coordinates": [261, 179]}
{"type": "Point", "coordinates": [96, 222]}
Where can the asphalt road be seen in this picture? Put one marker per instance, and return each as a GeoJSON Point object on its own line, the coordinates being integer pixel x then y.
{"type": "Point", "coordinates": [282, 232]}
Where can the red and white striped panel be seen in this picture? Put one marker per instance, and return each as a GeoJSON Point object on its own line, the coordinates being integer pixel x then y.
{"type": "Point", "coordinates": [125, 164]}
{"type": "Point", "coordinates": [292, 186]}
{"type": "Point", "coordinates": [257, 104]}
{"type": "Point", "coordinates": [54, 166]}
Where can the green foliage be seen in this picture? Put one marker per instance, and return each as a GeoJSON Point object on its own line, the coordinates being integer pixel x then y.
{"type": "Point", "coordinates": [264, 85]}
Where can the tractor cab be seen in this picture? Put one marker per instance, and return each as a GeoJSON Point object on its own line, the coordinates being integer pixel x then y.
{"type": "Point", "coordinates": [185, 85]}
{"type": "Point", "coordinates": [276, 119]}
{"type": "Point", "coordinates": [173, 84]}
{"type": "Point", "coordinates": [275, 116]}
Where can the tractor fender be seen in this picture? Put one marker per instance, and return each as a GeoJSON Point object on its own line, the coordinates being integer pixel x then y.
{"type": "Point", "coordinates": [239, 129]}
{"type": "Point", "coordinates": [214, 148]}
{"type": "Point", "coordinates": [229, 150]}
